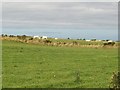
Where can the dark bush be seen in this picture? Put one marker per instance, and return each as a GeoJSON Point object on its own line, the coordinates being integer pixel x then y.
{"type": "Point", "coordinates": [4, 35]}
{"type": "Point", "coordinates": [93, 39]}
{"type": "Point", "coordinates": [47, 41]}
{"type": "Point", "coordinates": [64, 43]}
{"type": "Point", "coordinates": [84, 39]}
{"type": "Point", "coordinates": [23, 37]}
{"type": "Point", "coordinates": [31, 38]}
{"type": "Point", "coordinates": [19, 37]}
{"type": "Point", "coordinates": [11, 36]}
{"type": "Point", "coordinates": [75, 43]}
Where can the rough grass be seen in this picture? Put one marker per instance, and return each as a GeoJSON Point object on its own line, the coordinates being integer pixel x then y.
{"type": "Point", "coordinates": [35, 66]}
{"type": "Point", "coordinates": [62, 42]}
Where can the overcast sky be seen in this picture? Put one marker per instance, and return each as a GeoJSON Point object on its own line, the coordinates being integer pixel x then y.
{"type": "Point", "coordinates": [61, 15]}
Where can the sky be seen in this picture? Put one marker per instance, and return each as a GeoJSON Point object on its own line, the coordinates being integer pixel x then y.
{"type": "Point", "coordinates": [60, 0]}
{"type": "Point", "coordinates": [96, 17]}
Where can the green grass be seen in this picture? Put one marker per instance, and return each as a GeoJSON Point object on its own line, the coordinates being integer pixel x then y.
{"type": "Point", "coordinates": [35, 66]}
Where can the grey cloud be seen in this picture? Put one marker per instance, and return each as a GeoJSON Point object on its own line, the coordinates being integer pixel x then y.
{"type": "Point", "coordinates": [60, 15]}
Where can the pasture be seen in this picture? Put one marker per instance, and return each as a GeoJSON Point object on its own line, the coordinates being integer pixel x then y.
{"type": "Point", "coordinates": [39, 66]}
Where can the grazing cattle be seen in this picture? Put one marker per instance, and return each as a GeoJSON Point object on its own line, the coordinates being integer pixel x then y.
{"type": "Point", "coordinates": [44, 37]}
{"type": "Point", "coordinates": [37, 37]}
{"type": "Point", "coordinates": [109, 43]}
{"type": "Point", "coordinates": [47, 41]}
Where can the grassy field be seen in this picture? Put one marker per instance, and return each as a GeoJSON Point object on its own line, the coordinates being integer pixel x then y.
{"type": "Point", "coordinates": [35, 66]}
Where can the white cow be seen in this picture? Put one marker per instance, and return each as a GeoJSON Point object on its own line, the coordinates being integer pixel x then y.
{"type": "Point", "coordinates": [44, 37]}
{"type": "Point", "coordinates": [36, 37]}
{"type": "Point", "coordinates": [110, 41]}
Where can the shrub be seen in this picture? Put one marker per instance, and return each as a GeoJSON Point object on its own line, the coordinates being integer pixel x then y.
{"type": "Point", "coordinates": [75, 43]}
{"type": "Point", "coordinates": [64, 43]}
{"type": "Point", "coordinates": [47, 41]}
{"type": "Point", "coordinates": [77, 77]}
{"type": "Point", "coordinates": [93, 39]}
{"type": "Point", "coordinates": [115, 81]}
{"type": "Point", "coordinates": [11, 36]}
{"type": "Point", "coordinates": [31, 38]}
{"type": "Point", "coordinates": [84, 39]}
{"type": "Point", "coordinates": [23, 37]}
{"type": "Point", "coordinates": [4, 35]}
